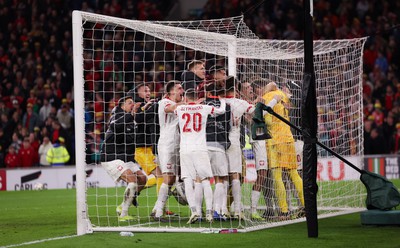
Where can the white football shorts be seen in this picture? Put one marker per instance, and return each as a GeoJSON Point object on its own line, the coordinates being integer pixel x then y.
{"type": "Point", "coordinates": [116, 167]}
{"type": "Point", "coordinates": [168, 158]}
{"type": "Point", "coordinates": [234, 155]}
{"type": "Point", "coordinates": [219, 162]}
{"type": "Point", "coordinates": [196, 163]}
{"type": "Point", "coordinates": [260, 154]}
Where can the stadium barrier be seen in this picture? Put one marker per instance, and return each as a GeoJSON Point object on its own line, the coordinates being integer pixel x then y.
{"type": "Point", "coordinates": [64, 177]}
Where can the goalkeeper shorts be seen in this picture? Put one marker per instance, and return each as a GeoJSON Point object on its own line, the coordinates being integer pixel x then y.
{"type": "Point", "coordinates": [282, 155]}
{"type": "Point", "coordinates": [145, 158]}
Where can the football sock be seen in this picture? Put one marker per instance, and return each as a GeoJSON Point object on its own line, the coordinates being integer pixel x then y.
{"type": "Point", "coordinates": [225, 197]}
{"type": "Point", "coordinates": [208, 194]}
{"type": "Point", "coordinates": [218, 197]}
{"type": "Point", "coordinates": [255, 196]}
{"type": "Point", "coordinates": [268, 192]}
{"type": "Point", "coordinates": [280, 191]}
{"type": "Point", "coordinates": [198, 194]}
{"type": "Point", "coordinates": [190, 193]}
{"type": "Point", "coordinates": [128, 197]}
{"type": "Point", "coordinates": [161, 199]}
{"type": "Point", "coordinates": [237, 194]}
{"type": "Point", "coordinates": [298, 184]}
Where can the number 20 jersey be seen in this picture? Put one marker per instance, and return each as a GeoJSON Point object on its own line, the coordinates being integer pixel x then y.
{"type": "Point", "coordinates": [192, 121]}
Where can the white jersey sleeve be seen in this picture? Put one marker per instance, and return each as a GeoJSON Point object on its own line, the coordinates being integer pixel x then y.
{"type": "Point", "coordinates": [168, 123]}
{"type": "Point", "coordinates": [238, 109]}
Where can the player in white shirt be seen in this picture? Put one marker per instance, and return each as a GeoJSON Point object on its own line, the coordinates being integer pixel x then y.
{"type": "Point", "coordinates": [195, 162]}
{"type": "Point", "coordinates": [239, 107]}
{"type": "Point", "coordinates": [260, 154]}
{"type": "Point", "coordinates": [168, 145]}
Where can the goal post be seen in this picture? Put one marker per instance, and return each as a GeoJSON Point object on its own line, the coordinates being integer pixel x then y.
{"type": "Point", "coordinates": [83, 225]}
{"type": "Point", "coordinates": [113, 55]}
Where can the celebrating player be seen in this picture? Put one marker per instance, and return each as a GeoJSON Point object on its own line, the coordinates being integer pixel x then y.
{"type": "Point", "coordinates": [117, 157]}
{"type": "Point", "coordinates": [260, 153]}
{"type": "Point", "coordinates": [217, 72]}
{"type": "Point", "coordinates": [238, 108]}
{"type": "Point", "coordinates": [195, 161]}
{"type": "Point", "coordinates": [281, 149]}
{"type": "Point", "coordinates": [146, 128]}
{"type": "Point", "coordinates": [217, 130]}
{"type": "Point", "coordinates": [194, 75]}
{"type": "Point", "coordinates": [168, 146]}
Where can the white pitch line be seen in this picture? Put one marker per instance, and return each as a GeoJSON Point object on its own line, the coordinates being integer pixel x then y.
{"type": "Point", "coordinates": [39, 241]}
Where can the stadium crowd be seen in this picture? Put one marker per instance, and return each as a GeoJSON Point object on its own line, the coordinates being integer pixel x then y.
{"type": "Point", "coordinates": [36, 76]}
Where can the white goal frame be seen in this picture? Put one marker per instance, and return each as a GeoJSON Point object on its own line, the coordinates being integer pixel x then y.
{"type": "Point", "coordinates": [237, 47]}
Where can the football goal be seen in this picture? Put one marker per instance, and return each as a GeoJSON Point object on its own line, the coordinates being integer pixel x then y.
{"type": "Point", "coordinates": [113, 56]}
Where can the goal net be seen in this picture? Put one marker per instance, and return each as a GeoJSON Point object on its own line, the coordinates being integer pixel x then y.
{"type": "Point", "coordinates": [113, 56]}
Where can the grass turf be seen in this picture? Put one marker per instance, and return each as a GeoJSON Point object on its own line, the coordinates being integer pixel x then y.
{"type": "Point", "coordinates": [34, 215]}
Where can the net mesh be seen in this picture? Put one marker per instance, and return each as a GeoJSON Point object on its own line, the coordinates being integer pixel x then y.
{"type": "Point", "coordinates": [119, 54]}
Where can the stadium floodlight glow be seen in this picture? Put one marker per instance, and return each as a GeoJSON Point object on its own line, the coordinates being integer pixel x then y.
{"type": "Point", "coordinates": [111, 54]}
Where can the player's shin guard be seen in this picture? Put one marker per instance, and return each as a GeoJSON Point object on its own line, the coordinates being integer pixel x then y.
{"type": "Point", "coordinates": [237, 195]}
{"type": "Point", "coordinates": [128, 197]}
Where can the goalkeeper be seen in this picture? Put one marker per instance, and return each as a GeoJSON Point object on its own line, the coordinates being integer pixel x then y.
{"type": "Point", "coordinates": [117, 157]}
{"type": "Point", "coordinates": [281, 150]}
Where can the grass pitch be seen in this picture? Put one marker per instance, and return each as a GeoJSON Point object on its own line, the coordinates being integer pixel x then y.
{"type": "Point", "coordinates": [28, 216]}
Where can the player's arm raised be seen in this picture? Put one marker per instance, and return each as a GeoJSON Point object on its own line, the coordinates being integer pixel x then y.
{"type": "Point", "coordinates": [171, 107]}
{"type": "Point", "coordinates": [276, 99]}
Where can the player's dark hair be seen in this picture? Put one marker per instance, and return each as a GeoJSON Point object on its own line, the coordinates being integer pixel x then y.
{"type": "Point", "coordinates": [215, 68]}
{"type": "Point", "coordinates": [170, 85]}
{"type": "Point", "coordinates": [239, 86]}
{"type": "Point", "coordinates": [230, 84]}
{"type": "Point", "coordinates": [214, 88]}
{"type": "Point", "coordinates": [258, 83]}
{"type": "Point", "coordinates": [138, 86]}
{"type": "Point", "coordinates": [191, 94]}
{"type": "Point", "coordinates": [191, 65]}
{"type": "Point", "coordinates": [123, 99]}
{"type": "Point", "coordinates": [133, 93]}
